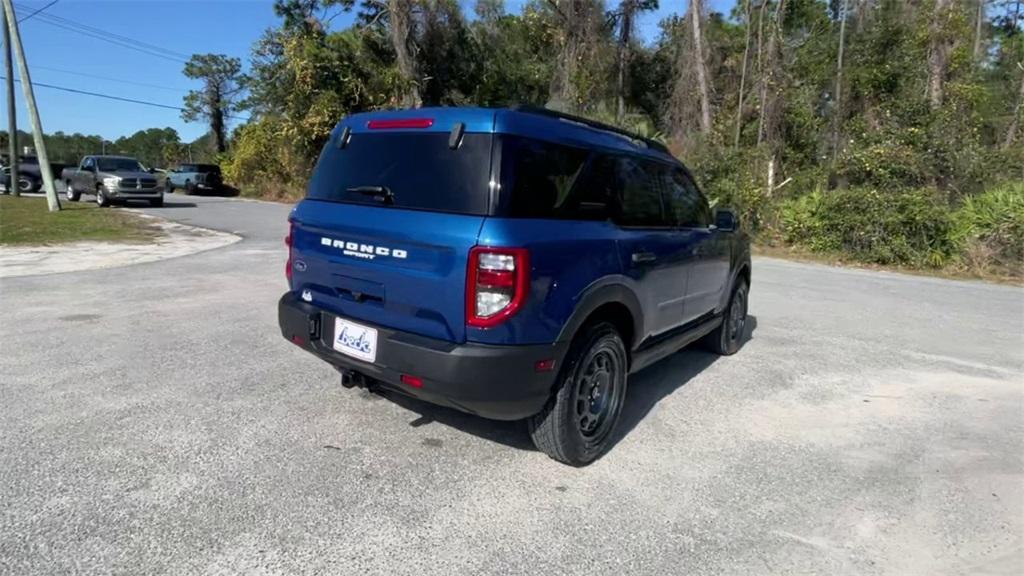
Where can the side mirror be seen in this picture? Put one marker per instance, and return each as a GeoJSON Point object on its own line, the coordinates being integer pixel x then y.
{"type": "Point", "coordinates": [725, 220]}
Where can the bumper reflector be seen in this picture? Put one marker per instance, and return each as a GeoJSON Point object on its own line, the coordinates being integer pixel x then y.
{"type": "Point", "coordinates": [414, 381]}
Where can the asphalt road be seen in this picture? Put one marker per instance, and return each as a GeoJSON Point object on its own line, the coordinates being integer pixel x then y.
{"type": "Point", "coordinates": [153, 421]}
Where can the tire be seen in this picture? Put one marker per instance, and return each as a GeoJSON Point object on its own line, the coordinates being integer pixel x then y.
{"type": "Point", "coordinates": [168, 186]}
{"type": "Point", "coordinates": [70, 193]}
{"type": "Point", "coordinates": [101, 197]}
{"type": "Point", "coordinates": [157, 202]}
{"type": "Point", "coordinates": [27, 184]}
{"type": "Point", "coordinates": [728, 337]}
{"type": "Point", "coordinates": [190, 189]}
{"type": "Point", "coordinates": [593, 377]}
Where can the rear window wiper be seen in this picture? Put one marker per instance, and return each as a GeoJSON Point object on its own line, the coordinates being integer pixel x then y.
{"type": "Point", "coordinates": [381, 193]}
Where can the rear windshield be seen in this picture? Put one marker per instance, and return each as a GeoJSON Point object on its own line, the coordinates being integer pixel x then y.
{"type": "Point", "coordinates": [413, 170]}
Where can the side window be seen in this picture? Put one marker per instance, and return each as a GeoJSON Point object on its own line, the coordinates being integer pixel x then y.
{"type": "Point", "coordinates": [539, 177]}
{"type": "Point", "coordinates": [639, 194]}
{"type": "Point", "coordinates": [689, 209]}
{"type": "Point", "coordinates": [89, 163]}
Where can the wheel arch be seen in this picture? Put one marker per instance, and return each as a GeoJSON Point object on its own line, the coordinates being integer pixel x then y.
{"type": "Point", "coordinates": [615, 303]}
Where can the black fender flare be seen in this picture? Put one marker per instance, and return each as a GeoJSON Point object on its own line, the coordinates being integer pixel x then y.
{"type": "Point", "coordinates": [743, 261]}
{"type": "Point", "coordinates": [605, 292]}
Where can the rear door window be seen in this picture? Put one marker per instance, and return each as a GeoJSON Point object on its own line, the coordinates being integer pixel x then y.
{"type": "Point", "coordinates": [539, 179]}
{"type": "Point", "coordinates": [640, 186]}
{"type": "Point", "coordinates": [418, 171]}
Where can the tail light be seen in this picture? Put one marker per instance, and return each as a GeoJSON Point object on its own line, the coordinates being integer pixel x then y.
{"type": "Point", "coordinates": [288, 240]}
{"type": "Point", "coordinates": [497, 280]}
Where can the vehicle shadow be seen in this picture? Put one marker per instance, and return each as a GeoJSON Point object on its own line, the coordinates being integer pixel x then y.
{"type": "Point", "coordinates": [511, 434]}
{"type": "Point", "coordinates": [222, 192]}
{"type": "Point", "coordinates": [169, 203]}
{"type": "Point", "coordinates": [654, 383]}
{"type": "Point", "coordinates": [646, 389]}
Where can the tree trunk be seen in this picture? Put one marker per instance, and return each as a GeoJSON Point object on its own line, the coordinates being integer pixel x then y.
{"type": "Point", "coordinates": [1011, 133]}
{"type": "Point", "coordinates": [838, 112]}
{"type": "Point", "coordinates": [760, 35]}
{"type": "Point", "coordinates": [696, 15]}
{"type": "Point", "coordinates": [400, 14]}
{"type": "Point", "coordinates": [562, 95]}
{"type": "Point", "coordinates": [743, 80]}
{"type": "Point", "coordinates": [766, 126]}
{"type": "Point", "coordinates": [938, 55]}
{"type": "Point", "coordinates": [863, 7]}
{"type": "Point", "coordinates": [979, 20]}
{"type": "Point", "coordinates": [628, 8]}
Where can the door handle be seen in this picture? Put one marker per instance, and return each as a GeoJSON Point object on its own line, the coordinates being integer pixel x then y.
{"type": "Point", "coordinates": [639, 257]}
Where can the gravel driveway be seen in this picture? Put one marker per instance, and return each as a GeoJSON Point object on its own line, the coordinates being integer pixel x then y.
{"type": "Point", "coordinates": [152, 420]}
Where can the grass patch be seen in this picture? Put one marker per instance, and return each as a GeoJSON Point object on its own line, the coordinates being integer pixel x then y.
{"type": "Point", "coordinates": [26, 221]}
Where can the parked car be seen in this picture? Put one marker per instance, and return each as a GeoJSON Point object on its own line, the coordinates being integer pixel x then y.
{"type": "Point", "coordinates": [513, 264]}
{"type": "Point", "coordinates": [111, 179]}
{"type": "Point", "coordinates": [194, 178]}
{"type": "Point", "coordinates": [30, 179]}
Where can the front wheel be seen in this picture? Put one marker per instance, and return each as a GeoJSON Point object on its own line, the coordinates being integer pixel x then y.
{"type": "Point", "coordinates": [728, 337]}
{"type": "Point", "coordinates": [577, 424]}
{"type": "Point", "coordinates": [168, 186]}
{"type": "Point", "coordinates": [69, 191]}
{"type": "Point", "coordinates": [101, 197]}
{"type": "Point", "coordinates": [156, 202]}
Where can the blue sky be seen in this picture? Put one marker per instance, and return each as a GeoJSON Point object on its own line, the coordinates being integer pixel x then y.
{"type": "Point", "coordinates": [64, 58]}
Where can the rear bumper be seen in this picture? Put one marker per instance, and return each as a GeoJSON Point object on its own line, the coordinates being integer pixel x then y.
{"type": "Point", "coordinates": [498, 382]}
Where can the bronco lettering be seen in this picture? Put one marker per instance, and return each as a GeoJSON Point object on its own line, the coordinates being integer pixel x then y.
{"type": "Point", "coordinates": [365, 251]}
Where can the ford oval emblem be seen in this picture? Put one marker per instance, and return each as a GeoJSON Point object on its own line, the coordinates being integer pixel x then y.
{"type": "Point", "coordinates": [300, 266]}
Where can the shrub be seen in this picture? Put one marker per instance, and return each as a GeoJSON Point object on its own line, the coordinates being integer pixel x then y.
{"type": "Point", "coordinates": [908, 227]}
{"type": "Point", "coordinates": [988, 229]}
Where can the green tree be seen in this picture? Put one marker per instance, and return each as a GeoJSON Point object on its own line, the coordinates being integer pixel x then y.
{"type": "Point", "coordinates": [221, 76]}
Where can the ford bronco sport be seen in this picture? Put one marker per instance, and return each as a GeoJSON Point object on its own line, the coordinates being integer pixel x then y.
{"type": "Point", "coordinates": [510, 263]}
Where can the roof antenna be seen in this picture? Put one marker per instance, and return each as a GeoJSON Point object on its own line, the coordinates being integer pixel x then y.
{"type": "Point", "coordinates": [455, 137]}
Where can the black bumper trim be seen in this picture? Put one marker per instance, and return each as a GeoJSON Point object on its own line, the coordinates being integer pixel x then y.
{"type": "Point", "coordinates": [497, 382]}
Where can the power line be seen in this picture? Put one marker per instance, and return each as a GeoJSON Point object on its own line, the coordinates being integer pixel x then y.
{"type": "Point", "coordinates": [37, 11]}
{"type": "Point", "coordinates": [93, 29]}
{"type": "Point", "coordinates": [109, 79]}
{"type": "Point", "coordinates": [118, 98]}
{"type": "Point", "coordinates": [112, 38]}
{"type": "Point", "coordinates": [73, 23]}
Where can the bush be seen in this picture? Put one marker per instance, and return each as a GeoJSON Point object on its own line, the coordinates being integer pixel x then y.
{"type": "Point", "coordinates": [988, 229]}
{"type": "Point", "coordinates": [909, 227]}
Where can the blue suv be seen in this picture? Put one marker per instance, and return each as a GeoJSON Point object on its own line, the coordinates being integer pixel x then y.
{"type": "Point", "coordinates": [510, 263]}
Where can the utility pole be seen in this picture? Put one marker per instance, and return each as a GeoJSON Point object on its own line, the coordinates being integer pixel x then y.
{"type": "Point", "coordinates": [30, 98]}
{"type": "Point", "coordinates": [12, 119]}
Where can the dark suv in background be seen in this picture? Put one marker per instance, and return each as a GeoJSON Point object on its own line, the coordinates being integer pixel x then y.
{"type": "Point", "coordinates": [512, 263]}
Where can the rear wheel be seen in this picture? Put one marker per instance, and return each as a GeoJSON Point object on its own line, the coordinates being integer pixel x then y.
{"type": "Point", "coordinates": [728, 337]}
{"type": "Point", "coordinates": [27, 184]}
{"type": "Point", "coordinates": [189, 187]}
{"type": "Point", "coordinates": [576, 425]}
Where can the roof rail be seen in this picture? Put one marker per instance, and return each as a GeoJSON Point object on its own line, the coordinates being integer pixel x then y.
{"type": "Point", "coordinates": [636, 138]}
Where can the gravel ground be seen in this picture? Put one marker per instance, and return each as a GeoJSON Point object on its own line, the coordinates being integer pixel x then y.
{"type": "Point", "coordinates": [153, 421]}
